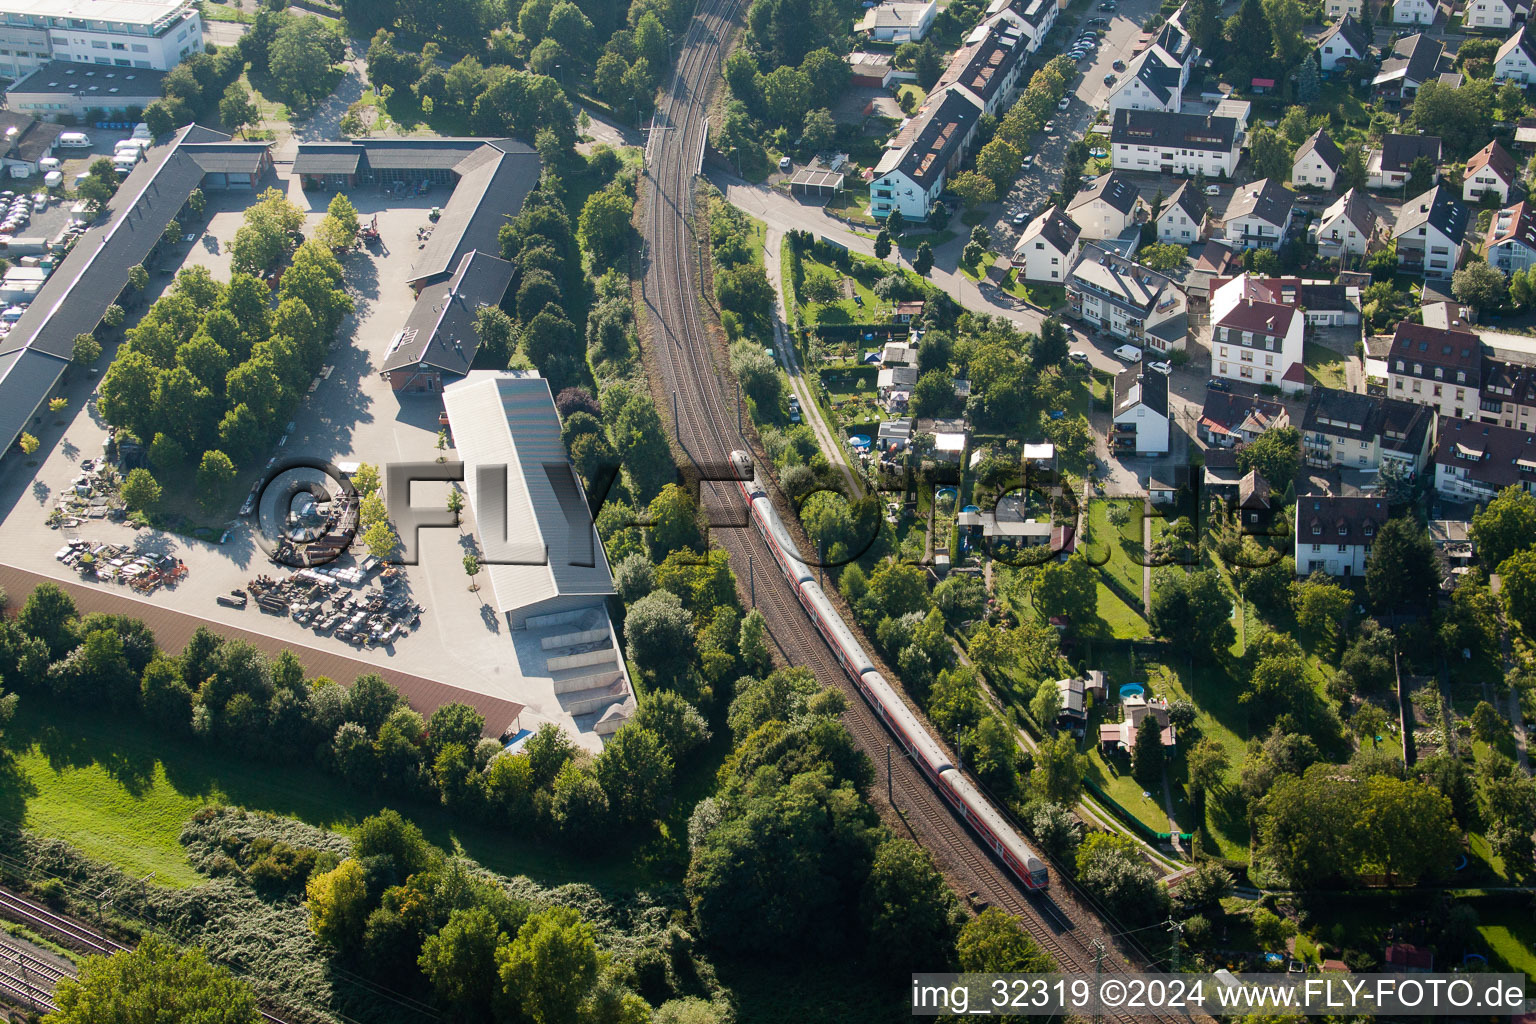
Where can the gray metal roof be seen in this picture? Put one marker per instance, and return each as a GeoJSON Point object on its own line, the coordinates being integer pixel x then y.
{"type": "Point", "coordinates": [67, 78]}
{"type": "Point", "coordinates": [485, 196]}
{"type": "Point", "coordinates": [327, 158]}
{"type": "Point", "coordinates": [440, 330]}
{"type": "Point", "coordinates": [230, 157]}
{"type": "Point", "coordinates": [26, 378]}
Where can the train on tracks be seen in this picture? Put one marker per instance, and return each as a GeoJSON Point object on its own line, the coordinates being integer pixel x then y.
{"type": "Point", "coordinates": [924, 750]}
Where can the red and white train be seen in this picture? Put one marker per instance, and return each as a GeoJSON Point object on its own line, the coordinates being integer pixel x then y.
{"type": "Point", "coordinates": [924, 750]}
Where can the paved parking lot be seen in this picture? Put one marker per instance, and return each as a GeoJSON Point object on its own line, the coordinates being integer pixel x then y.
{"type": "Point", "coordinates": [352, 416]}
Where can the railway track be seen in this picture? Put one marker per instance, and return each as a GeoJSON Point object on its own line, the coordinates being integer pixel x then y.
{"type": "Point", "coordinates": [38, 916]}
{"type": "Point", "coordinates": [25, 979]}
{"type": "Point", "coordinates": [683, 358]}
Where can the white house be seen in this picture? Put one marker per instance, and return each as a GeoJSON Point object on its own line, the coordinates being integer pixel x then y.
{"type": "Point", "coordinates": [1141, 413]}
{"type": "Point", "coordinates": [1156, 77]}
{"type": "Point", "coordinates": [1047, 249]}
{"type": "Point", "coordinates": [990, 66]}
{"type": "Point", "coordinates": [1431, 233]}
{"type": "Point", "coordinates": [1183, 218]}
{"type": "Point", "coordinates": [899, 21]}
{"type": "Point", "coordinates": [1130, 301]}
{"type": "Point", "coordinates": [1413, 12]}
{"type": "Point", "coordinates": [1392, 164]}
{"type": "Point", "coordinates": [1516, 59]}
{"type": "Point", "coordinates": [911, 174]}
{"type": "Point", "coordinates": [1475, 461]}
{"type": "Point", "coordinates": [1511, 240]}
{"type": "Point", "coordinates": [1317, 162]}
{"type": "Point", "coordinates": [1259, 216]}
{"type": "Point", "coordinates": [1156, 141]}
{"type": "Point", "coordinates": [1490, 15]}
{"type": "Point", "coordinates": [1491, 169]}
{"type": "Point", "coordinates": [1035, 17]}
{"type": "Point", "coordinates": [1350, 227]}
{"type": "Point", "coordinates": [1339, 8]}
{"type": "Point", "coordinates": [1334, 533]}
{"type": "Point", "coordinates": [1256, 336]}
{"type": "Point", "coordinates": [1347, 40]}
{"type": "Point", "coordinates": [1107, 208]}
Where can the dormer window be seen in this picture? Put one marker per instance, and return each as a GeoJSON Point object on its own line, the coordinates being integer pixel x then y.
{"type": "Point", "coordinates": [1369, 529]}
{"type": "Point", "coordinates": [1317, 529]}
{"type": "Point", "coordinates": [1439, 373]}
{"type": "Point", "coordinates": [1343, 530]}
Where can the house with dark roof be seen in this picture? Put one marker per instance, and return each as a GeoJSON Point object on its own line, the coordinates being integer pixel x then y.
{"type": "Point", "coordinates": [94, 273]}
{"type": "Point", "coordinates": [1346, 42]}
{"type": "Point", "coordinates": [1259, 215]}
{"type": "Point", "coordinates": [1361, 432]}
{"type": "Point", "coordinates": [989, 66]}
{"type": "Point", "coordinates": [1256, 337]}
{"type": "Point", "coordinates": [1414, 60]}
{"type": "Point", "coordinates": [1352, 226]}
{"type": "Point", "coordinates": [1184, 218]}
{"type": "Point", "coordinates": [1490, 171]}
{"type": "Point", "coordinates": [1436, 367]}
{"type": "Point", "coordinates": [911, 174]}
{"type": "Point", "coordinates": [438, 341]}
{"type": "Point", "coordinates": [1511, 240]}
{"type": "Point", "coordinates": [66, 89]}
{"type": "Point", "coordinates": [1228, 419]}
{"type": "Point", "coordinates": [1317, 162]}
{"type": "Point", "coordinates": [1247, 495]}
{"type": "Point", "coordinates": [1475, 461]}
{"type": "Point", "coordinates": [1108, 207]}
{"type": "Point", "coordinates": [1034, 17]}
{"type": "Point", "coordinates": [24, 140]}
{"type": "Point", "coordinates": [1156, 77]}
{"type": "Point", "coordinates": [1509, 385]}
{"type": "Point", "coordinates": [1431, 233]}
{"type": "Point", "coordinates": [1048, 247]}
{"type": "Point", "coordinates": [1334, 533]}
{"type": "Point", "coordinates": [1132, 302]}
{"type": "Point", "coordinates": [1158, 141]}
{"type": "Point", "coordinates": [1140, 421]}
{"type": "Point", "coordinates": [1390, 165]}
{"type": "Point", "coordinates": [1516, 59]}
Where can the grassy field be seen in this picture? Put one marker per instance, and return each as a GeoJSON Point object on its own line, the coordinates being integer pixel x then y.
{"type": "Point", "coordinates": [1124, 622]}
{"type": "Point", "coordinates": [1324, 366]}
{"type": "Point", "coordinates": [1121, 544]}
{"type": "Point", "coordinates": [1126, 791]}
{"type": "Point", "coordinates": [120, 793]}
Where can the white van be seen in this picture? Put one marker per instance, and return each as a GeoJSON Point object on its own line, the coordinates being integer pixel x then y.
{"type": "Point", "coordinates": [1127, 354]}
{"type": "Point", "coordinates": [75, 140]}
{"type": "Point", "coordinates": [48, 163]}
{"type": "Point", "coordinates": [20, 171]}
{"type": "Point", "coordinates": [136, 145]}
{"type": "Point", "coordinates": [53, 179]}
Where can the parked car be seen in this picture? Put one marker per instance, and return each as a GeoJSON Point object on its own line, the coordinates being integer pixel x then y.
{"type": "Point", "coordinates": [1127, 354]}
{"type": "Point", "coordinates": [1161, 367]}
{"type": "Point", "coordinates": [1020, 219]}
{"type": "Point", "coordinates": [1109, 79]}
{"type": "Point", "coordinates": [1050, 126]}
{"type": "Point", "coordinates": [1213, 190]}
{"type": "Point", "coordinates": [1217, 384]}
{"type": "Point", "coordinates": [1077, 355]}
{"type": "Point", "coordinates": [1029, 161]}
{"type": "Point", "coordinates": [1118, 65]}
{"type": "Point", "coordinates": [1066, 101]}
{"type": "Point", "coordinates": [786, 164]}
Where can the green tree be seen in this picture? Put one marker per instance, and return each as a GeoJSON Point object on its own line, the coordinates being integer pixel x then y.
{"type": "Point", "coordinates": [339, 228]}
{"type": "Point", "coordinates": [154, 981]}
{"type": "Point", "coordinates": [1111, 868]}
{"type": "Point", "coordinates": [1163, 257]}
{"type": "Point", "coordinates": [215, 474]}
{"type": "Point", "coordinates": [1479, 286]}
{"type": "Point", "coordinates": [1321, 606]}
{"type": "Point", "coordinates": [300, 57]}
{"type": "Point", "coordinates": [549, 968]}
{"type": "Point", "coordinates": [1059, 770]}
{"type": "Point", "coordinates": [237, 110]}
{"type": "Point", "coordinates": [605, 223]}
{"type": "Point", "coordinates": [635, 772]}
{"type": "Point", "coordinates": [1517, 574]}
{"type": "Point", "coordinates": [911, 916]}
{"type": "Point", "coordinates": [140, 492]}
{"type": "Point", "coordinates": [86, 350]}
{"type": "Point", "coordinates": [460, 961]}
{"type": "Point", "coordinates": [659, 636]}
{"type": "Point", "coordinates": [1206, 764]}
{"type": "Point", "coordinates": [381, 540]}
{"type": "Point", "coordinates": [1276, 454]}
{"type": "Point", "coordinates": [1147, 754]}
{"type": "Point", "coordinates": [1192, 609]}
{"type": "Point", "coordinates": [472, 569]}
{"type": "Point", "coordinates": [975, 189]}
{"type": "Point", "coordinates": [1046, 704]}
{"type": "Point", "coordinates": [1353, 174]}
{"type": "Point", "coordinates": [338, 905]}
{"type": "Point", "coordinates": [923, 261]}
{"type": "Point", "coordinates": [1505, 525]}
{"type": "Point", "coordinates": [1402, 568]}
{"type": "Point", "coordinates": [996, 941]}
{"type": "Point", "coordinates": [818, 130]}
{"type": "Point", "coordinates": [1271, 154]}
{"type": "Point", "coordinates": [1067, 589]}
{"type": "Point", "coordinates": [882, 244]}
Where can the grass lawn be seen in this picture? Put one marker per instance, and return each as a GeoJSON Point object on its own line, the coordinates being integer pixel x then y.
{"type": "Point", "coordinates": [1121, 545]}
{"type": "Point", "coordinates": [1045, 296]}
{"type": "Point", "coordinates": [121, 793]}
{"type": "Point", "coordinates": [220, 12]}
{"type": "Point", "coordinates": [917, 92]}
{"type": "Point", "coordinates": [841, 310]}
{"type": "Point", "coordinates": [1511, 937]}
{"type": "Point", "coordinates": [1324, 366]}
{"type": "Point", "coordinates": [1124, 622]}
{"type": "Point", "coordinates": [852, 397]}
{"type": "Point", "coordinates": [1126, 791]}
{"type": "Point", "coordinates": [979, 271]}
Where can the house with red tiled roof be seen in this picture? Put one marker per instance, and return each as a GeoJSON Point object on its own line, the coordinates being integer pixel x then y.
{"type": "Point", "coordinates": [1441, 368]}
{"type": "Point", "coordinates": [1256, 337]}
{"type": "Point", "coordinates": [1490, 170]}
{"type": "Point", "coordinates": [1475, 461]}
{"type": "Point", "coordinates": [1511, 239]}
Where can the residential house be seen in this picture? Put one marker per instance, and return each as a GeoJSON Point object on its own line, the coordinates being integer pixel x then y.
{"type": "Point", "coordinates": [898, 353]}
{"type": "Point", "coordinates": [1184, 216]}
{"type": "Point", "coordinates": [1255, 336]}
{"type": "Point", "coordinates": [1047, 249]}
{"type": "Point", "coordinates": [1431, 233]}
{"type": "Point", "coordinates": [1317, 162]}
{"type": "Point", "coordinates": [1129, 300]}
{"type": "Point", "coordinates": [895, 378]}
{"type": "Point", "coordinates": [911, 174]}
{"type": "Point", "coordinates": [1414, 12]}
{"type": "Point", "coordinates": [1248, 494]}
{"type": "Point", "coordinates": [990, 66]}
{"type": "Point", "coordinates": [1516, 59]}
{"type": "Point", "coordinates": [1074, 699]}
{"type": "Point", "coordinates": [1141, 413]}
{"type": "Point", "coordinates": [1334, 533]}
{"type": "Point", "coordinates": [1187, 144]}
{"type": "Point", "coordinates": [1228, 419]}
{"type": "Point", "coordinates": [1140, 713]}
{"type": "Point", "coordinates": [1035, 17]}
{"type": "Point", "coordinates": [1392, 164]}
{"type": "Point", "coordinates": [1475, 461]}
{"type": "Point", "coordinates": [1156, 77]}
{"type": "Point", "coordinates": [1508, 384]}
{"type": "Point", "coordinates": [871, 70]}
{"type": "Point", "coordinates": [1492, 15]}
{"type": "Point", "coordinates": [1355, 431]}
{"type": "Point", "coordinates": [899, 21]}
{"type": "Point", "coordinates": [1339, 8]}
{"type": "Point", "coordinates": [1414, 60]}
{"type": "Point", "coordinates": [1107, 208]}
{"type": "Point", "coordinates": [1511, 239]}
{"type": "Point", "coordinates": [1322, 303]}
{"type": "Point", "coordinates": [1345, 43]}
{"type": "Point", "coordinates": [1351, 227]}
{"type": "Point", "coordinates": [1491, 170]}
{"type": "Point", "coordinates": [1436, 367]}
{"type": "Point", "coordinates": [1259, 215]}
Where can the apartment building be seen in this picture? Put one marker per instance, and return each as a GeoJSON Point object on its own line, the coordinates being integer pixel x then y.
{"type": "Point", "coordinates": [149, 34]}
{"type": "Point", "coordinates": [1355, 431]}
{"type": "Point", "coordinates": [1255, 336]}
{"type": "Point", "coordinates": [1130, 301]}
{"type": "Point", "coordinates": [1168, 143]}
{"type": "Point", "coordinates": [1475, 461]}
{"type": "Point", "coordinates": [1438, 367]}
{"type": "Point", "coordinates": [1334, 533]}
{"type": "Point", "coordinates": [1431, 233]}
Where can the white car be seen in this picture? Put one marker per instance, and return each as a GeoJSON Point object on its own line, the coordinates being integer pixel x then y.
{"type": "Point", "coordinates": [1127, 354]}
{"type": "Point", "coordinates": [1077, 355]}
{"type": "Point", "coordinates": [786, 164]}
{"type": "Point", "coordinates": [1020, 219]}
{"type": "Point", "coordinates": [1161, 367]}
{"type": "Point", "coordinates": [1029, 161]}
{"type": "Point", "coordinates": [1066, 101]}
{"type": "Point", "coordinates": [1050, 126]}
{"type": "Point", "coordinates": [1213, 190]}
